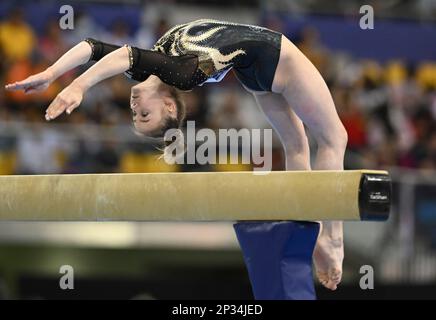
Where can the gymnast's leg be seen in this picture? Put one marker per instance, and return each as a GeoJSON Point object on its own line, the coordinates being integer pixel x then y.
{"type": "Point", "coordinates": [278, 255]}
{"type": "Point", "coordinates": [300, 83]}
{"type": "Point", "coordinates": [288, 127]}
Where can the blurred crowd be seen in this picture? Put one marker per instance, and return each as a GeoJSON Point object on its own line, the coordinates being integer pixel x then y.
{"type": "Point", "coordinates": [389, 110]}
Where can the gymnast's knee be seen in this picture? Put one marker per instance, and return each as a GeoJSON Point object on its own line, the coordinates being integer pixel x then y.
{"type": "Point", "coordinates": [297, 147]}
{"type": "Point", "coordinates": [335, 141]}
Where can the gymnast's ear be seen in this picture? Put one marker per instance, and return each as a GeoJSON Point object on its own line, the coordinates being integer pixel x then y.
{"type": "Point", "coordinates": [170, 105]}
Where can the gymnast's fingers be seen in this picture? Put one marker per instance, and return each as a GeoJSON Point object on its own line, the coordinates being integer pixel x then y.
{"type": "Point", "coordinates": [72, 107]}
{"type": "Point", "coordinates": [55, 108]}
{"type": "Point", "coordinates": [14, 86]}
{"type": "Point", "coordinates": [23, 84]}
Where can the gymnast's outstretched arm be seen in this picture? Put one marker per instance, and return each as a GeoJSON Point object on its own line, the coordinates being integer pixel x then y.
{"type": "Point", "coordinates": [179, 71]}
{"type": "Point", "coordinates": [113, 60]}
{"type": "Point", "coordinates": [76, 56]}
{"type": "Point", "coordinates": [70, 98]}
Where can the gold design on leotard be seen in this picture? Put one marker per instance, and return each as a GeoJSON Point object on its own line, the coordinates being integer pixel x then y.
{"type": "Point", "coordinates": [167, 37]}
{"type": "Point", "coordinates": [210, 59]}
{"type": "Point", "coordinates": [192, 44]}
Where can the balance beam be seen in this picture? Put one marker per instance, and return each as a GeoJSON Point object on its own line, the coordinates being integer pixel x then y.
{"type": "Point", "coordinates": [212, 196]}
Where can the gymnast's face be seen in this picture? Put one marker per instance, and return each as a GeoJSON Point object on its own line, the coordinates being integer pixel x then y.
{"type": "Point", "coordinates": [150, 109]}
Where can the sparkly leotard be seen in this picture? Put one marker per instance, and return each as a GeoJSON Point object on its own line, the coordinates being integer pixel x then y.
{"type": "Point", "coordinates": [205, 50]}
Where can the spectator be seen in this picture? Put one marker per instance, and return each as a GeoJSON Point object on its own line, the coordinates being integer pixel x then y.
{"type": "Point", "coordinates": [352, 117]}
{"type": "Point", "coordinates": [17, 39]}
{"type": "Point", "coordinates": [312, 47]}
{"type": "Point", "coordinates": [107, 159]}
{"type": "Point", "coordinates": [52, 44]}
{"type": "Point", "coordinates": [38, 148]}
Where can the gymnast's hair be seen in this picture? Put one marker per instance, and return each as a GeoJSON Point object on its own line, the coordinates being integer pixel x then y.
{"type": "Point", "coordinates": [171, 126]}
{"type": "Point", "coordinates": [171, 122]}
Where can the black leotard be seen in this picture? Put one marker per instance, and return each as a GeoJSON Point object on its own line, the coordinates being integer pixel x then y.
{"type": "Point", "coordinates": [204, 51]}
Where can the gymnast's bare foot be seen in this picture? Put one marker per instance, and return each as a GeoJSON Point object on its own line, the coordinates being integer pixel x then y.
{"type": "Point", "coordinates": [328, 254]}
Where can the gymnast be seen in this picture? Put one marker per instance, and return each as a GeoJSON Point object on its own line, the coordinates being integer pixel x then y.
{"type": "Point", "coordinates": [287, 87]}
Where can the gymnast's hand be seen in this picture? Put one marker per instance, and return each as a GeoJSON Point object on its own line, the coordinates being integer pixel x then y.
{"type": "Point", "coordinates": [67, 100]}
{"type": "Point", "coordinates": [35, 83]}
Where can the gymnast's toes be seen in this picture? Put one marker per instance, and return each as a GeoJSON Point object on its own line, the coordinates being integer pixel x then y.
{"type": "Point", "coordinates": [330, 279]}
